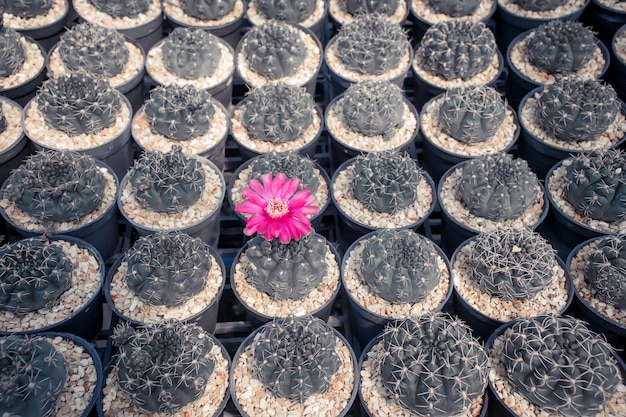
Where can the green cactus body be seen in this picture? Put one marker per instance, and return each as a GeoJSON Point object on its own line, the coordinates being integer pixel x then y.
{"type": "Point", "coordinates": [191, 53]}
{"type": "Point", "coordinates": [27, 9]}
{"type": "Point", "coordinates": [386, 181]}
{"type": "Point", "coordinates": [290, 163]}
{"type": "Point", "coordinates": [57, 186]}
{"type": "Point", "coordinates": [122, 8]}
{"type": "Point", "coordinates": [78, 103]}
{"type": "Point", "coordinates": [371, 44]}
{"type": "Point", "coordinates": [539, 5]}
{"type": "Point", "coordinates": [294, 11]}
{"type": "Point", "coordinates": [274, 49]}
{"type": "Point", "coordinates": [596, 185]}
{"type": "Point", "coordinates": [605, 270]}
{"type": "Point", "coordinates": [497, 187]}
{"type": "Point", "coordinates": [574, 110]}
{"type": "Point", "coordinates": [179, 113]}
{"type": "Point", "coordinates": [12, 53]}
{"type": "Point", "coordinates": [432, 365]}
{"type": "Point", "coordinates": [287, 271]}
{"type": "Point", "coordinates": [454, 8]}
{"type": "Point", "coordinates": [207, 9]}
{"type": "Point", "coordinates": [277, 113]}
{"type": "Point", "coordinates": [358, 7]}
{"type": "Point", "coordinates": [373, 108]}
{"type": "Point", "coordinates": [457, 49]}
{"type": "Point", "coordinates": [34, 375]}
{"type": "Point", "coordinates": [400, 265]}
{"type": "Point", "coordinates": [295, 357]}
{"type": "Point", "coordinates": [560, 365]}
{"type": "Point", "coordinates": [167, 268]}
{"type": "Point", "coordinates": [95, 49]}
{"type": "Point", "coordinates": [512, 264]}
{"type": "Point", "coordinates": [167, 181]}
{"type": "Point", "coordinates": [471, 114]}
{"type": "Point", "coordinates": [34, 273]}
{"type": "Point", "coordinates": [165, 366]}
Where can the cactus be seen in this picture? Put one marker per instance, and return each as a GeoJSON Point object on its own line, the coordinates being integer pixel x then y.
{"type": "Point", "coordinates": [385, 181]}
{"type": "Point", "coordinates": [122, 8]}
{"type": "Point", "coordinates": [3, 120]}
{"type": "Point", "coordinates": [432, 364]}
{"type": "Point", "coordinates": [371, 44]}
{"type": "Point", "coordinates": [167, 181]}
{"type": "Point", "coordinates": [295, 357]}
{"type": "Point", "coordinates": [290, 163]}
{"type": "Point", "coordinates": [179, 113]}
{"type": "Point", "coordinates": [454, 8]}
{"type": "Point", "coordinates": [167, 268]}
{"type": "Point", "coordinates": [57, 186]}
{"type": "Point", "coordinates": [163, 367]}
{"type": "Point", "coordinates": [28, 9]}
{"type": "Point", "coordinates": [294, 11]}
{"type": "Point", "coordinates": [471, 114]}
{"type": "Point", "coordinates": [34, 273]}
{"type": "Point", "coordinates": [457, 49]}
{"type": "Point", "coordinates": [595, 185]}
{"type": "Point", "coordinates": [513, 264]}
{"type": "Point", "coordinates": [191, 53]}
{"type": "Point", "coordinates": [287, 270]}
{"type": "Point", "coordinates": [373, 108]}
{"type": "Point", "coordinates": [399, 265]}
{"type": "Point", "coordinates": [207, 9]}
{"type": "Point", "coordinates": [539, 5]}
{"type": "Point", "coordinates": [12, 53]}
{"type": "Point", "coordinates": [274, 49]}
{"type": "Point", "coordinates": [277, 113]}
{"type": "Point", "coordinates": [78, 103]}
{"type": "Point", "coordinates": [498, 187]}
{"type": "Point", "coordinates": [95, 49]}
{"type": "Point", "coordinates": [358, 7]}
{"type": "Point", "coordinates": [574, 110]}
{"type": "Point", "coordinates": [605, 270]}
{"type": "Point", "coordinates": [560, 365]}
{"type": "Point", "coordinates": [34, 375]}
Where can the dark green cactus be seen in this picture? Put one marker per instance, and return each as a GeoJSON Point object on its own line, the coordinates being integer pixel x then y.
{"type": "Point", "coordinates": [471, 114]}
{"type": "Point", "coordinates": [457, 49]}
{"type": "Point", "coordinates": [287, 270]}
{"type": "Point", "coordinates": [28, 9]}
{"type": "Point", "coordinates": [432, 365]}
{"type": "Point", "coordinates": [167, 268]}
{"type": "Point", "coordinates": [207, 9]}
{"type": "Point", "coordinates": [371, 44]}
{"type": "Point", "coordinates": [357, 7]}
{"type": "Point", "coordinates": [179, 113]}
{"type": "Point", "coordinates": [373, 108]}
{"type": "Point", "coordinates": [498, 187]}
{"type": "Point", "coordinates": [574, 110]}
{"type": "Point", "coordinates": [513, 264]}
{"type": "Point", "coordinates": [167, 181]}
{"type": "Point", "coordinates": [57, 186]}
{"type": "Point", "coordinates": [295, 357]}
{"type": "Point", "coordinates": [163, 367]}
{"type": "Point", "coordinates": [12, 53]}
{"type": "Point", "coordinates": [595, 185]}
{"type": "Point", "coordinates": [539, 5]}
{"type": "Point", "coordinates": [560, 365]}
{"type": "Point", "coordinates": [274, 49]}
{"type": "Point", "coordinates": [385, 181]}
{"type": "Point", "coordinates": [34, 273]}
{"type": "Point", "coordinates": [294, 11]}
{"type": "Point", "coordinates": [191, 53]}
{"type": "Point", "coordinates": [122, 8]}
{"type": "Point", "coordinates": [455, 8]}
{"type": "Point", "coordinates": [290, 163]}
{"type": "Point", "coordinates": [78, 103]}
{"type": "Point", "coordinates": [399, 265]}
{"type": "Point", "coordinates": [34, 375]}
{"type": "Point", "coordinates": [605, 270]}
{"type": "Point", "coordinates": [277, 113]}
{"type": "Point", "coordinates": [95, 49]}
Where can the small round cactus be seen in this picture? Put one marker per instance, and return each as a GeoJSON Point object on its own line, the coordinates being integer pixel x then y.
{"type": "Point", "coordinates": [28, 9]}
{"type": "Point", "coordinates": [12, 53]}
{"type": "Point", "coordinates": [294, 11]}
{"type": "Point", "coordinates": [191, 53]}
{"type": "Point", "coordinates": [432, 365]}
{"type": "Point", "coordinates": [605, 270]}
{"type": "Point", "coordinates": [290, 163]}
{"type": "Point", "coordinates": [539, 5]}
{"type": "Point", "coordinates": [358, 7]}
{"type": "Point", "coordinates": [295, 357]}
{"type": "Point", "coordinates": [560, 365]}
{"type": "Point", "coordinates": [454, 8]}
{"type": "Point", "coordinates": [207, 9]}
{"type": "Point", "coordinates": [122, 8]}
{"type": "Point", "coordinates": [167, 268]}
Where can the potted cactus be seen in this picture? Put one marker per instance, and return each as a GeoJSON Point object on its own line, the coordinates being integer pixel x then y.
{"type": "Point", "coordinates": [550, 365]}
{"type": "Point", "coordinates": [606, 16]}
{"type": "Point", "coordinates": [310, 14]}
{"type": "Point", "coordinates": [424, 365]}
{"type": "Point", "coordinates": [371, 115]}
{"type": "Point", "coordinates": [63, 193]}
{"type": "Point", "coordinates": [425, 13]}
{"type": "Point", "coordinates": [192, 57]}
{"type": "Point", "coordinates": [294, 365]}
{"type": "Point", "coordinates": [342, 12]}
{"type": "Point", "coordinates": [617, 70]}
{"type": "Point", "coordinates": [42, 20]}
{"type": "Point", "coordinates": [377, 190]}
{"type": "Point", "coordinates": [276, 117]}
{"type": "Point", "coordinates": [166, 191]}
{"type": "Point", "coordinates": [389, 274]}
{"type": "Point", "coordinates": [170, 368]}
{"type": "Point", "coordinates": [14, 145]}
{"type": "Point", "coordinates": [184, 116]}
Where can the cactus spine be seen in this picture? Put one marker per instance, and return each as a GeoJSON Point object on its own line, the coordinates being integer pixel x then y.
{"type": "Point", "coordinates": [294, 11]}
{"type": "Point", "coordinates": [12, 53]}
{"type": "Point", "coordinates": [122, 8]}
{"type": "Point", "coordinates": [207, 9]}
{"type": "Point", "coordinates": [191, 53]}
{"type": "Point", "coordinates": [358, 7]}
{"type": "Point", "coordinates": [290, 163]}
{"type": "Point", "coordinates": [605, 270]}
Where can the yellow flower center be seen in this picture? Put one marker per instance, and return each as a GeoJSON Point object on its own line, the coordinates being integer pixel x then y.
{"type": "Point", "coordinates": [276, 208]}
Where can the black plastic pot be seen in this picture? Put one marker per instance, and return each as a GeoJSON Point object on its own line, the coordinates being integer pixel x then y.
{"type": "Point", "coordinates": [605, 20]}
{"type": "Point", "coordinates": [49, 34]}
{"type": "Point", "coordinates": [25, 91]}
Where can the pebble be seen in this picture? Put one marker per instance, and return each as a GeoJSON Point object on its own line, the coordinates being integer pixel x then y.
{"type": "Point", "coordinates": [13, 130]}
{"type": "Point", "coordinates": [56, 12]}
